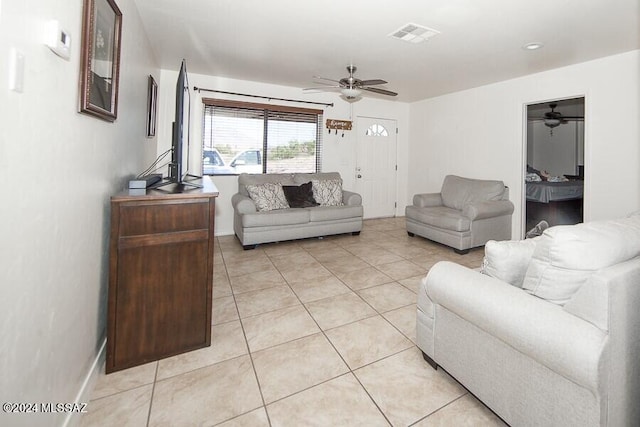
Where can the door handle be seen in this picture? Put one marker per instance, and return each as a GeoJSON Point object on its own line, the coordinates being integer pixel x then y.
{"type": "Point", "coordinates": [359, 176]}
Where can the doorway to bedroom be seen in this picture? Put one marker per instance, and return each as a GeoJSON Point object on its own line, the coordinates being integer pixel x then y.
{"type": "Point", "coordinates": [554, 171]}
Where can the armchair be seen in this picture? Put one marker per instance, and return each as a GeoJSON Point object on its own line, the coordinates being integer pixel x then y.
{"type": "Point", "coordinates": [465, 214]}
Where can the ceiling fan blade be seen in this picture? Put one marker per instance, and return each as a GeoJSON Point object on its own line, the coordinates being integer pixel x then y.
{"type": "Point", "coordinates": [321, 89]}
{"type": "Point", "coordinates": [372, 82]}
{"type": "Point", "coordinates": [380, 91]}
{"type": "Point", "coordinates": [324, 78]}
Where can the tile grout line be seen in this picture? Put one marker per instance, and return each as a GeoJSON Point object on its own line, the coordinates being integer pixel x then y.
{"type": "Point", "coordinates": [153, 389]}
{"type": "Point", "coordinates": [246, 342]}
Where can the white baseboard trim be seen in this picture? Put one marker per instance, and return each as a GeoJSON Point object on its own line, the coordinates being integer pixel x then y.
{"type": "Point", "coordinates": [84, 394]}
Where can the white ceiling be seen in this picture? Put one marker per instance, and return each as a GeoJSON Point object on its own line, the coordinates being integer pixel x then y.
{"type": "Point", "coordinates": [287, 42]}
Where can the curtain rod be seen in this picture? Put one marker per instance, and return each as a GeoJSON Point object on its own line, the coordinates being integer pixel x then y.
{"type": "Point", "coordinates": [263, 97]}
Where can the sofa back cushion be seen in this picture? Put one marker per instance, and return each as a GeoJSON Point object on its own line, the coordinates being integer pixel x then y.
{"type": "Point", "coordinates": [245, 179]}
{"type": "Point", "coordinates": [457, 191]}
{"type": "Point", "coordinates": [566, 256]}
{"type": "Point", "coordinates": [301, 178]}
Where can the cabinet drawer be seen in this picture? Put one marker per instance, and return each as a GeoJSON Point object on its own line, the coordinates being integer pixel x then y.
{"type": "Point", "coordinates": [140, 219]}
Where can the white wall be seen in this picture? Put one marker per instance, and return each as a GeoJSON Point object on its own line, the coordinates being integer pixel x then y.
{"type": "Point", "coordinates": [339, 154]}
{"type": "Point", "coordinates": [58, 169]}
{"type": "Point", "coordinates": [480, 132]}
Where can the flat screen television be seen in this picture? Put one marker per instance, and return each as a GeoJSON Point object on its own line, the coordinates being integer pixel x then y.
{"type": "Point", "coordinates": [180, 135]}
{"type": "Point", "coordinates": [179, 165]}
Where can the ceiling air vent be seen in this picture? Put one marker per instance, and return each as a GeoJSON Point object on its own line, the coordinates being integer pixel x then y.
{"type": "Point", "coordinates": [414, 33]}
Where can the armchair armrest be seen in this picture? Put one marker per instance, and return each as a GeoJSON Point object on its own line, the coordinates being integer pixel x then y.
{"type": "Point", "coordinates": [541, 330]}
{"type": "Point", "coordinates": [350, 198]}
{"type": "Point", "coordinates": [427, 199]}
{"type": "Point", "coordinates": [488, 209]}
{"type": "Point", "coordinates": [243, 204]}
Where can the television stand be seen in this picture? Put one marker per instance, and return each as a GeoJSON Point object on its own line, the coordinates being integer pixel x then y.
{"type": "Point", "coordinates": [160, 274]}
{"type": "Point", "coordinates": [178, 187]}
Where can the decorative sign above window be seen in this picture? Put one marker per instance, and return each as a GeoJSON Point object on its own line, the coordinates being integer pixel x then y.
{"type": "Point", "coordinates": [339, 125]}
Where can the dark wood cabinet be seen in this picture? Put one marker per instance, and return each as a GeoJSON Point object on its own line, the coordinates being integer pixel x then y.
{"type": "Point", "coordinates": [160, 274]}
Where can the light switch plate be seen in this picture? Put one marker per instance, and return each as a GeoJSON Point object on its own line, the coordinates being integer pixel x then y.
{"type": "Point", "coordinates": [16, 70]}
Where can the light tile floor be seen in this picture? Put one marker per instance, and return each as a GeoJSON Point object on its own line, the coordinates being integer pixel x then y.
{"type": "Point", "coordinates": [313, 332]}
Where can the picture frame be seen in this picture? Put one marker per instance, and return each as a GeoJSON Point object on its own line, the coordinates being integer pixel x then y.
{"type": "Point", "coordinates": [100, 62]}
{"type": "Point", "coordinates": [152, 106]}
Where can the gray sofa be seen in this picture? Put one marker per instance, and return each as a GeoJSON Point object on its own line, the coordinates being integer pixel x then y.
{"type": "Point", "coordinates": [253, 227]}
{"type": "Point", "coordinates": [561, 350]}
{"type": "Point", "coordinates": [465, 214]}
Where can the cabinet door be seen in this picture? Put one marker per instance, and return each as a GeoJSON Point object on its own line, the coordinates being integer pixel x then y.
{"type": "Point", "coordinates": [162, 296]}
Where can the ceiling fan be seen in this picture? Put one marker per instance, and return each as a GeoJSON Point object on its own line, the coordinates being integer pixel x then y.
{"type": "Point", "coordinates": [351, 87]}
{"type": "Point", "coordinates": [554, 118]}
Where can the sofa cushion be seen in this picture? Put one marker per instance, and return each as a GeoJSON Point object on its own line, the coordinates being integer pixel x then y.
{"type": "Point", "coordinates": [566, 256]}
{"type": "Point", "coordinates": [457, 191]}
{"type": "Point", "coordinates": [301, 178]}
{"type": "Point", "coordinates": [300, 196]}
{"type": "Point", "coordinates": [440, 216]}
{"type": "Point", "coordinates": [508, 260]}
{"type": "Point", "coordinates": [268, 196]}
{"type": "Point", "coordinates": [327, 192]}
{"type": "Point", "coordinates": [245, 179]}
{"type": "Point", "coordinates": [330, 213]}
{"type": "Point", "coordinates": [281, 217]}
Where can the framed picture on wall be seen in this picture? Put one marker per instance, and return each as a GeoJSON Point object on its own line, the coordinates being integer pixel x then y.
{"type": "Point", "coordinates": [152, 105]}
{"type": "Point", "coordinates": [100, 63]}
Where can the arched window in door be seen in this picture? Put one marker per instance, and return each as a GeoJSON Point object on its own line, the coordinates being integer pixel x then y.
{"type": "Point", "coordinates": [377, 130]}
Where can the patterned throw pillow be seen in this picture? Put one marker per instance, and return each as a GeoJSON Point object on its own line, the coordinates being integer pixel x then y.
{"type": "Point", "coordinates": [268, 196]}
{"type": "Point", "coordinates": [328, 192]}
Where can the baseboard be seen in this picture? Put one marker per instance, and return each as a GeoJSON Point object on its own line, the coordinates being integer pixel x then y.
{"type": "Point", "coordinates": [84, 394]}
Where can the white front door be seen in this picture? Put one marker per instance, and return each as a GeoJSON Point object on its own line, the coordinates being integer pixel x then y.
{"type": "Point", "coordinates": [376, 166]}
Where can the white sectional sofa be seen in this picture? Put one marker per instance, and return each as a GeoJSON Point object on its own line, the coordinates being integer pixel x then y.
{"type": "Point", "coordinates": [552, 337]}
{"type": "Point", "coordinates": [253, 226]}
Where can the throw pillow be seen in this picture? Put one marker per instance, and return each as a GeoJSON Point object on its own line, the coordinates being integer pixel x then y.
{"type": "Point", "coordinates": [268, 196]}
{"type": "Point", "coordinates": [299, 196]}
{"type": "Point", "coordinates": [566, 256]}
{"type": "Point", "coordinates": [328, 192]}
{"type": "Point", "coordinates": [508, 260]}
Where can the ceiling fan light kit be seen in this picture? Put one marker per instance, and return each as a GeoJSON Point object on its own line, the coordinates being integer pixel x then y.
{"type": "Point", "coordinates": [351, 93]}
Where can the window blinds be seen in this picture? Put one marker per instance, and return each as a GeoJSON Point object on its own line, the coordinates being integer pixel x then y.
{"type": "Point", "coordinates": [257, 138]}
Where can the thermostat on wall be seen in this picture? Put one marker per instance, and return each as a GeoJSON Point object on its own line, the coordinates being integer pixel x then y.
{"type": "Point", "coordinates": [59, 40]}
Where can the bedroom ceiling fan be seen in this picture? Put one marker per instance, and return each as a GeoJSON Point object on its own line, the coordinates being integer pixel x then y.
{"type": "Point", "coordinates": [351, 87]}
{"type": "Point", "coordinates": [554, 118]}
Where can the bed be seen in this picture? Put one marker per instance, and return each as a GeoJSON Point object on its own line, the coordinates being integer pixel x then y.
{"type": "Point", "coordinates": [555, 202]}
{"type": "Point", "coordinates": [545, 191]}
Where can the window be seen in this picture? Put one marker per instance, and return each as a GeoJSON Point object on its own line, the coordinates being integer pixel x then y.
{"type": "Point", "coordinates": [377, 130]}
{"type": "Point", "coordinates": [259, 138]}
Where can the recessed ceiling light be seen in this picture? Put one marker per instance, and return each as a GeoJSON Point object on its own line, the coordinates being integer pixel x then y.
{"type": "Point", "coordinates": [414, 33]}
{"type": "Point", "coordinates": [532, 46]}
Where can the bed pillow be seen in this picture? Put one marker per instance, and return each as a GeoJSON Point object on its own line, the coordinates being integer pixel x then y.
{"type": "Point", "coordinates": [300, 196]}
{"type": "Point", "coordinates": [508, 260]}
{"type": "Point", "coordinates": [268, 196]}
{"type": "Point", "coordinates": [566, 256]}
{"type": "Point", "coordinates": [327, 192]}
